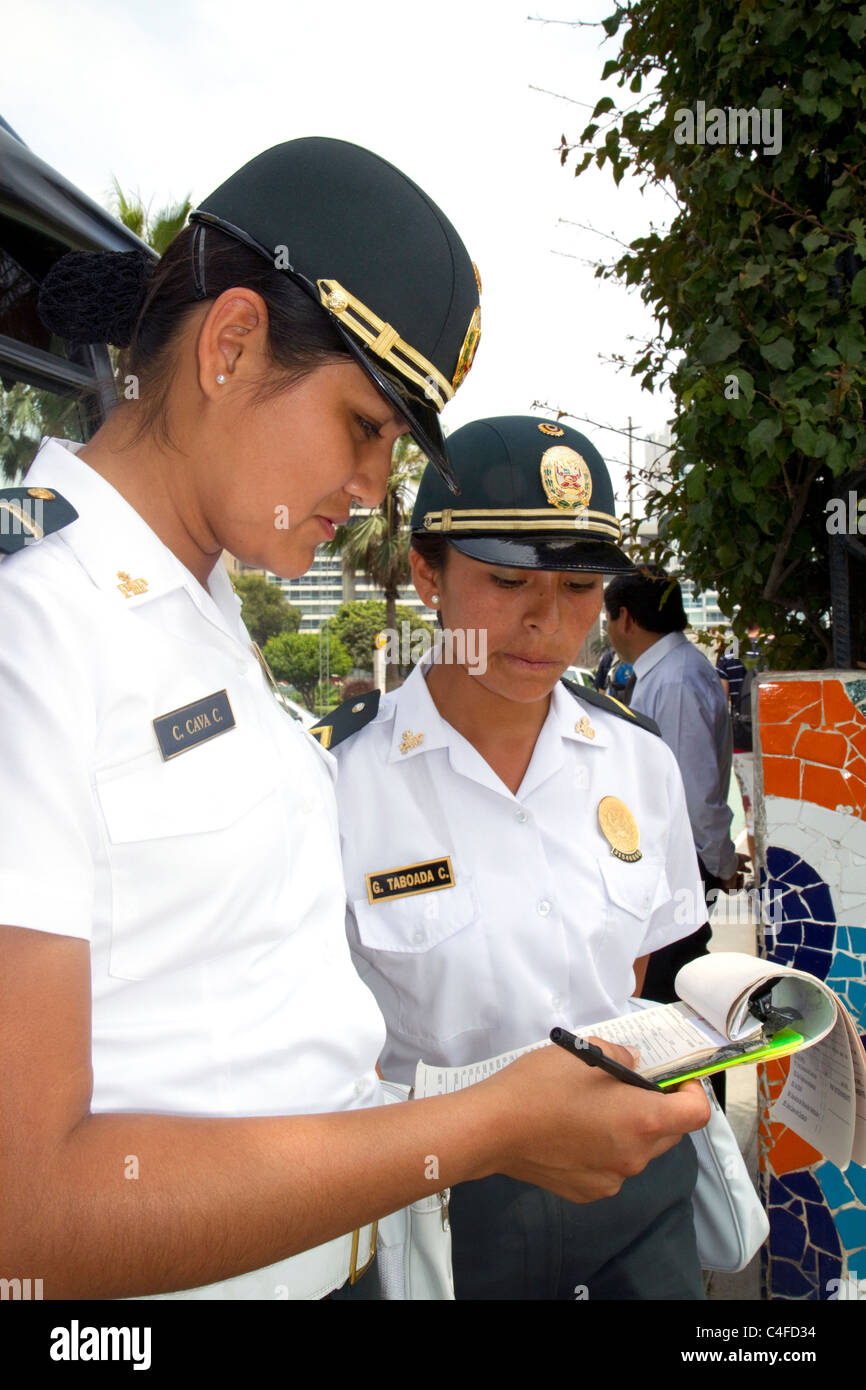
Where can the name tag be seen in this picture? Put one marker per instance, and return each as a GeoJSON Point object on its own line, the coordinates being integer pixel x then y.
{"type": "Point", "coordinates": [426, 877]}
{"type": "Point", "coordinates": [193, 724]}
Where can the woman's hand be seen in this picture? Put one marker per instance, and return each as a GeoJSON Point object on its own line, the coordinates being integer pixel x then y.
{"type": "Point", "coordinates": [578, 1131]}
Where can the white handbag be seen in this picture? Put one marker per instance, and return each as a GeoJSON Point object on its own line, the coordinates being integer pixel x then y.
{"type": "Point", "coordinates": [731, 1224]}
{"type": "Point", "coordinates": [413, 1246]}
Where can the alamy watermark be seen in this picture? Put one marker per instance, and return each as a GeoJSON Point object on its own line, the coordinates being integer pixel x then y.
{"type": "Point", "coordinates": [731, 125]}
{"type": "Point", "coordinates": [22, 516]}
{"type": "Point", "coordinates": [846, 516]}
{"type": "Point", "coordinates": [460, 647]}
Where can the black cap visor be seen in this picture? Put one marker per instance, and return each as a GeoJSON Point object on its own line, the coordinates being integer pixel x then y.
{"type": "Point", "coordinates": [542, 552]}
{"type": "Point", "coordinates": [423, 420]}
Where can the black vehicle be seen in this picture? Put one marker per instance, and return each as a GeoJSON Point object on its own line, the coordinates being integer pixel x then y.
{"type": "Point", "coordinates": [46, 386]}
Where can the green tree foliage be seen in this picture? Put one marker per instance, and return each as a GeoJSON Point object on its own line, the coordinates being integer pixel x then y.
{"type": "Point", "coordinates": [159, 228]}
{"type": "Point", "coordinates": [294, 657]}
{"type": "Point", "coordinates": [758, 288]}
{"type": "Point", "coordinates": [357, 623]}
{"type": "Point", "coordinates": [265, 608]}
{"type": "Point", "coordinates": [378, 544]}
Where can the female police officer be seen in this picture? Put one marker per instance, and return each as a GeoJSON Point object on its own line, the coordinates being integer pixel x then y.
{"type": "Point", "coordinates": [531, 847]}
{"type": "Point", "coordinates": [189, 1097]}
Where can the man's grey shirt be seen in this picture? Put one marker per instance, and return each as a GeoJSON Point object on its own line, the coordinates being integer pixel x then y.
{"type": "Point", "coordinates": [680, 690]}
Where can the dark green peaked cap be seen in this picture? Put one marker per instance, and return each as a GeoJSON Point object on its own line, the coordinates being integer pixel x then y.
{"type": "Point", "coordinates": [534, 494]}
{"type": "Point", "coordinates": [367, 244]}
{"type": "Point", "coordinates": [29, 513]}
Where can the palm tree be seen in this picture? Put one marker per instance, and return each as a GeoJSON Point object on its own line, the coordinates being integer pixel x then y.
{"type": "Point", "coordinates": [157, 230]}
{"type": "Point", "coordinates": [378, 544]}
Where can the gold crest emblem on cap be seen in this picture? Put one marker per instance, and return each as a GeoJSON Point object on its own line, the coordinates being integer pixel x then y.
{"type": "Point", "coordinates": [42, 494]}
{"type": "Point", "coordinates": [619, 828]}
{"type": "Point", "coordinates": [547, 428]}
{"type": "Point", "coordinates": [467, 352]}
{"type": "Point", "coordinates": [565, 477]}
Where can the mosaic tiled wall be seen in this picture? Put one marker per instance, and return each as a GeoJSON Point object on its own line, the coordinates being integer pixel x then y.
{"type": "Point", "coordinates": [810, 822]}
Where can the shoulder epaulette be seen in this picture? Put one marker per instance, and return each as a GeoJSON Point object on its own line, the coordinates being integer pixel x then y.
{"type": "Point", "coordinates": [29, 513]}
{"type": "Point", "coordinates": [346, 719]}
{"type": "Point", "coordinates": [594, 697]}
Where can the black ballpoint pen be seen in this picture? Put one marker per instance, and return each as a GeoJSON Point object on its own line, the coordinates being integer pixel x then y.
{"type": "Point", "coordinates": [594, 1057]}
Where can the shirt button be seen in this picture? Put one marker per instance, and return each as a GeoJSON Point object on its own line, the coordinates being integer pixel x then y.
{"type": "Point", "coordinates": [418, 937]}
{"type": "Point", "coordinates": [556, 1002]}
{"type": "Point", "coordinates": [543, 907]}
{"type": "Point", "coordinates": [360, 1088]}
{"type": "Point", "coordinates": [521, 817]}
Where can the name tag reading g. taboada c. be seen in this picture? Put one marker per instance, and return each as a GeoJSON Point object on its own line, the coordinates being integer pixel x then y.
{"type": "Point", "coordinates": [193, 724]}
{"type": "Point", "coordinates": [426, 877]}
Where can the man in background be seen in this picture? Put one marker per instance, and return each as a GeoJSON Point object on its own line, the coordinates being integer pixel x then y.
{"type": "Point", "coordinates": [678, 688]}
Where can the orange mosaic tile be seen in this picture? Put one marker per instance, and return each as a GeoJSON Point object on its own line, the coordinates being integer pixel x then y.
{"type": "Point", "coordinates": [857, 768]}
{"type": "Point", "coordinates": [859, 740]}
{"type": "Point", "coordinates": [850, 728]}
{"type": "Point", "coordinates": [827, 787]}
{"type": "Point", "coordinates": [782, 777]}
{"type": "Point", "coordinates": [822, 747]}
{"type": "Point", "coordinates": [776, 1074]}
{"type": "Point", "coordinates": [778, 738]}
{"type": "Point", "coordinates": [837, 706]}
{"type": "Point", "coordinates": [791, 1152]}
{"type": "Point", "coordinates": [781, 701]}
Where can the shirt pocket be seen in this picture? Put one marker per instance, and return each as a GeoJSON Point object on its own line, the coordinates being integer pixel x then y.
{"type": "Point", "coordinates": [633, 892]}
{"type": "Point", "coordinates": [188, 847]}
{"type": "Point", "coordinates": [427, 960]}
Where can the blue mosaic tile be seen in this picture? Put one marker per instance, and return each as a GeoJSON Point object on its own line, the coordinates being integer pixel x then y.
{"type": "Point", "coordinates": [790, 932]}
{"type": "Point", "coordinates": [822, 1232]}
{"type": "Point", "coordinates": [856, 993]}
{"type": "Point", "coordinates": [802, 1182]}
{"type": "Point", "coordinates": [851, 1225]}
{"type": "Point", "coordinates": [857, 941]}
{"type": "Point", "coordinates": [845, 965]}
{"type": "Point", "coordinates": [828, 1268]}
{"type": "Point", "coordinates": [778, 1196]}
{"type": "Point", "coordinates": [787, 1235]}
{"type": "Point", "coordinates": [855, 1176]}
{"type": "Point", "coordinates": [823, 935]}
{"type": "Point", "coordinates": [820, 903]}
{"type": "Point", "coordinates": [789, 1281]}
{"type": "Point", "coordinates": [783, 954]}
{"type": "Point", "coordinates": [833, 1185]}
{"type": "Point", "coordinates": [780, 860]}
{"type": "Point", "coordinates": [816, 962]}
{"type": "Point", "coordinates": [802, 875]}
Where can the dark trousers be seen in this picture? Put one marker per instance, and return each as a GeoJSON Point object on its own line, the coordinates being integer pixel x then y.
{"type": "Point", "coordinates": [514, 1241]}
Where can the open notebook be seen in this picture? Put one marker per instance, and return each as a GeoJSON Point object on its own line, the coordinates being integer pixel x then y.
{"type": "Point", "coordinates": [824, 1098]}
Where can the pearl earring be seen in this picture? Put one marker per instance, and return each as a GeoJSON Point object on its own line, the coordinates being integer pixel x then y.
{"type": "Point", "coordinates": [221, 381]}
{"type": "Point", "coordinates": [434, 599]}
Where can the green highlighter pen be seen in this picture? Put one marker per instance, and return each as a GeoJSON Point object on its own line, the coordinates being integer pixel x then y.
{"type": "Point", "coordinates": [781, 1043]}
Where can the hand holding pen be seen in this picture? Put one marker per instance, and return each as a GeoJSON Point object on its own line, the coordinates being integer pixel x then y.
{"type": "Point", "coordinates": [594, 1057]}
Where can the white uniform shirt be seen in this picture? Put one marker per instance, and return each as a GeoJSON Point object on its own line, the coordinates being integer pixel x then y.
{"type": "Point", "coordinates": [209, 884]}
{"type": "Point", "coordinates": [542, 924]}
{"type": "Point", "coordinates": [678, 688]}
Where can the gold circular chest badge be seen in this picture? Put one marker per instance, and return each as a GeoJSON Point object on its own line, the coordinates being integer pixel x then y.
{"type": "Point", "coordinates": [619, 828]}
{"type": "Point", "coordinates": [555, 430]}
{"type": "Point", "coordinates": [467, 352]}
{"type": "Point", "coordinates": [565, 477]}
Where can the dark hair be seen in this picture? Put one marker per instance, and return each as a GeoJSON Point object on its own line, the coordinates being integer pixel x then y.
{"type": "Point", "coordinates": [124, 299]}
{"type": "Point", "coordinates": [432, 547]}
{"type": "Point", "coordinates": [653, 599]}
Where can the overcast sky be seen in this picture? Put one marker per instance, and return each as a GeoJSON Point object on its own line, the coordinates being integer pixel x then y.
{"type": "Point", "coordinates": [171, 97]}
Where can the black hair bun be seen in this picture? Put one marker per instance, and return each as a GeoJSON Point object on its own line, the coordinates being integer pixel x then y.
{"type": "Point", "coordinates": [95, 296]}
